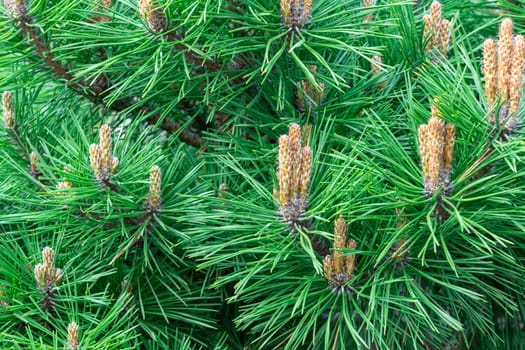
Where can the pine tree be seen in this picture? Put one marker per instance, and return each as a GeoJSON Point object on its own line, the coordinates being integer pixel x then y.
{"type": "Point", "coordinates": [293, 174]}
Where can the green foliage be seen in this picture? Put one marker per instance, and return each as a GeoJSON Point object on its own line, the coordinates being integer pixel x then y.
{"type": "Point", "coordinates": [206, 99]}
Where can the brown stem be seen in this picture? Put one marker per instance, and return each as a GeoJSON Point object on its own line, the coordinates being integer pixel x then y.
{"type": "Point", "coordinates": [95, 91]}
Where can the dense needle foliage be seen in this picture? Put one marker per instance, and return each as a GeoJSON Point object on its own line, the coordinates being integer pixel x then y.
{"type": "Point", "coordinates": [254, 174]}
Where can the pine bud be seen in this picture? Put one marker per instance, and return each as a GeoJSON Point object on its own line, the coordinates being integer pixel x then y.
{"type": "Point", "coordinates": [444, 37]}
{"type": "Point", "coordinates": [339, 242]}
{"type": "Point", "coordinates": [94, 157]}
{"type": "Point", "coordinates": [153, 15]}
{"type": "Point", "coordinates": [435, 19]}
{"type": "Point", "coordinates": [490, 70]}
{"type": "Point", "coordinates": [350, 259]}
{"type": "Point", "coordinates": [33, 160]}
{"type": "Point", "coordinates": [436, 148]}
{"type": "Point", "coordinates": [16, 8]}
{"type": "Point", "coordinates": [7, 107]}
{"type": "Point", "coordinates": [327, 268]}
{"type": "Point", "coordinates": [436, 31]}
{"type": "Point", "coordinates": [516, 74]}
{"type": "Point", "coordinates": [293, 174]}
{"type": "Point", "coordinates": [295, 13]}
{"type": "Point", "coordinates": [284, 166]}
{"type": "Point", "coordinates": [339, 269]}
{"type": "Point", "coordinates": [40, 275]}
{"type": "Point", "coordinates": [114, 164]}
{"type": "Point", "coordinates": [64, 185]}
{"type": "Point", "coordinates": [448, 152]}
{"type": "Point", "coordinates": [223, 191]}
{"type": "Point", "coordinates": [306, 170]}
{"type": "Point", "coordinates": [48, 256]}
{"type": "Point", "coordinates": [504, 58]}
{"type": "Point", "coordinates": [369, 3]}
{"type": "Point", "coordinates": [427, 32]}
{"type": "Point", "coordinates": [154, 199]}
{"type": "Point", "coordinates": [105, 150]}
{"type": "Point", "coordinates": [72, 336]}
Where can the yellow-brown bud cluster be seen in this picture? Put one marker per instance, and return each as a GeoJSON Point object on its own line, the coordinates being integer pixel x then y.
{"type": "Point", "coordinates": [436, 32]}
{"type": "Point", "coordinates": [308, 96]}
{"type": "Point", "coordinates": [296, 13]}
{"type": "Point", "coordinates": [72, 336]}
{"type": "Point", "coordinates": [154, 199]}
{"type": "Point", "coordinates": [369, 3]}
{"type": "Point", "coordinates": [7, 108]}
{"type": "Point", "coordinates": [101, 157]}
{"type": "Point", "coordinates": [338, 268]}
{"type": "Point", "coordinates": [436, 148]}
{"type": "Point", "coordinates": [16, 8]}
{"type": "Point", "coordinates": [46, 275]}
{"type": "Point", "coordinates": [503, 63]}
{"type": "Point", "coordinates": [293, 174]}
{"type": "Point", "coordinates": [153, 15]}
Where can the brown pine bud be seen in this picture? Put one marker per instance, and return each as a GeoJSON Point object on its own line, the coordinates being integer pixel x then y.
{"type": "Point", "coordinates": [427, 32]}
{"type": "Point", "coordinates": [114, 164]}
{"type": "Point", "coordinates": [369, 3]}
{"type": "Point", "coordinates": [435, 21]}
{"type": "Point", "coordinates": [7, 108]}
{"type": "Point", "coordinates": [305, 173]}
{"type": "Point", "coordinates": [154, 198]}
{"type": "Point", "coordinates": [339, 242]}
{"type": "Point", "coordinates": [48, 257]}
{"type": "Point", "coordinates": [307, 11]}
{"type": "Point", "coordinates": [7, 101]}
{"type": "Point", "coordinates": [72, 336]}
{"type": "Point", "coordinates": [350, 259]}
{"type": "Point", "coordinates": [444, 37]}
{"type": "Point", "coordinates": [516, 74]}
{"type": "Point", "coordinates": [448, 152]}
{"type": "Point", "coordinates": [16, 8]}
{"type": "Point", "coordinates": [327, 268]}
{"type": "Point", "coordinates": [33, 160]}
{"type": "Point", "coordinates": [295, 157]}
{"type": "Point", "coordinates": [106, 157]}
{"type": "Point", "coordinates": [40, 275]}
{"type": "Point", "coordinates": [94, 157]}
{"type": "Point", "coordinates": [435, 145]}
{"type": "Point", "coordinates": [285, 11]}
{"type": "Point", "coordinates": [284, 169]}
{"type": "Point", "coordinates": [490, 70]}
{"type": "Point", "coordinates": [375, 66]}
{"type": "Point", "coordinates": [153, 15]}
{"type": "Point", "coordinates": [504, 58]}
{"type": "Point", "coordinates": [64, 185]}
{"type": "Point", "coordinates": [422, 132]}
